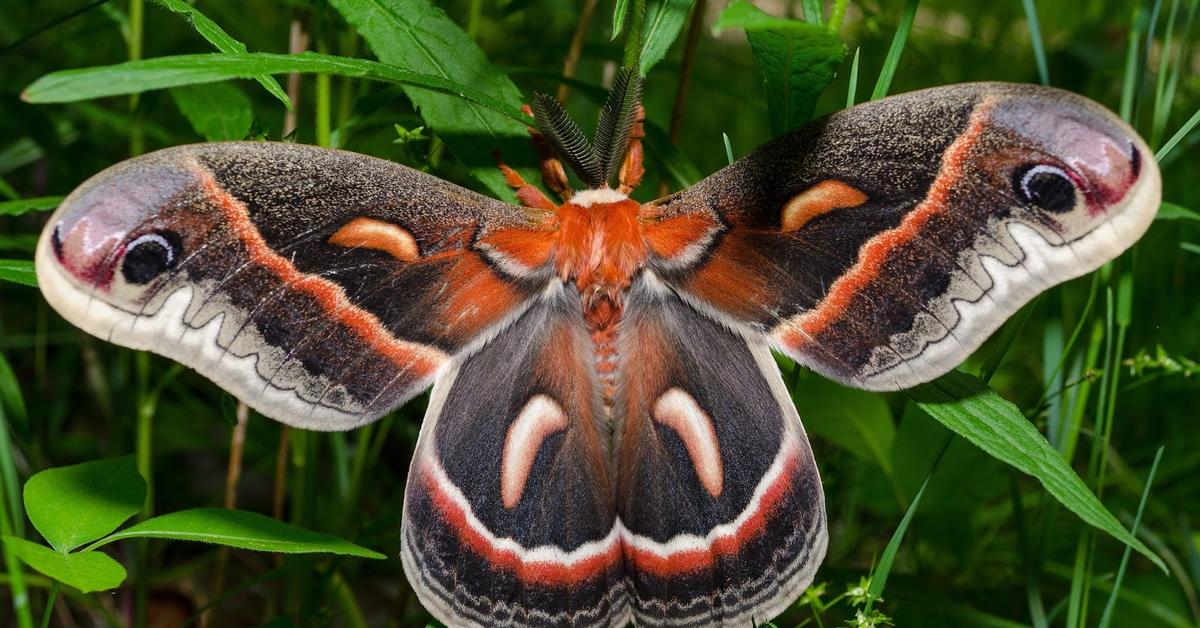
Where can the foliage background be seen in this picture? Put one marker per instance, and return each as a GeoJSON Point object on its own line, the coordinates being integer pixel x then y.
{"type": "Point", "coordinates": [985, 547]}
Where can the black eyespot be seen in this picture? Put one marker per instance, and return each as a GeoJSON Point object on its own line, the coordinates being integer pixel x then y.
{"type": "Point", "coordinates": [1045, 186]}
{"type": "Point", "coordinates": [150, 255]}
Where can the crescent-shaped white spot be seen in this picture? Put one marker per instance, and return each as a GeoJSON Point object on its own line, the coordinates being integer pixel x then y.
{"type": "Point", "coordinates": [541, 417]}
{"type": "Point", "coordinates": [679, 411]}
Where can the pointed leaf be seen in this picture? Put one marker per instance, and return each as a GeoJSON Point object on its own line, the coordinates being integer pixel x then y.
{"type": "Point", "coordinates": [241, 529]}
{"type": "Point", "coordinates": [419, 37]}
{"type": "Point", "coordinates": [1166, 211]}
{"type": "Point", "coordinates": [664, 21]}
{"type": "Point", "coordinates": [972, 410]}
{"type": "Point", "coordinates": [78, 504]}
{"type": "Point", "coordinates": [798, 60]}
{"type": "Point", "coordinates": [222, 41]}
{"type": "Point", "coordinates": [162, 72]}
{"type": "Point", "coordinates": [25, 205]}
{"type": "Point", "coordinates": [18, 271]}
{"type": "Point", "coordinates": [86, 571]}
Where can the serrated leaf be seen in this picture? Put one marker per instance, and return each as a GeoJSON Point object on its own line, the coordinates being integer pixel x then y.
{"type": "Point", "coordinates": [974, 411]}
{"type": "Point", "coordinates": [26, 205]}
{"type": "Point", "coordinates": [1171, 211]}
{"type": "Point", "coordinates": [86, 571]}
{"type": "Point", "coordinates": [133, 77]}
{"type": "Point", "coordinates": [664, 21]}
{"type": "Point", "coordinates": [417, 36]}
{"type": "Point", "coordinates": [18, 271]}
{"type": "Point", "coordinates": [798, 60]}
{"type": "Point", "coordinates": [216, 111]}
{"type": "Point", "coordinates": [240, 529]}
{"type": "Point", "coordinates": [78, 504]}
{"type": "Point", "coordinates": [222, 41]}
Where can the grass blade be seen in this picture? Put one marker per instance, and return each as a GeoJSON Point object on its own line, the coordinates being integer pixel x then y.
{"type": "Point", "coordinates": [18, 271]}
{"type": "Point", "coordinates": [851, 92]}
{"type": "Point", "coordinates": [884, 83]}
{"type": "Point", "coordinates": [1035, 35]}
{"type": "Point", "coordinates": [1106, 617]}
{"type": "Point", "coordinates": [1178, 137]}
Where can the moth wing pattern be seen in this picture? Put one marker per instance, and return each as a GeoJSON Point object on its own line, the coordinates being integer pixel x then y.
{"type": "Point", "coordinates": [509, 515]}
{"type": "Point", "coordinates": [883, 244]}
{"type": "Point", "coordinates": [718, 493]}
{"type": "Point", "coordinates": [322, 287]}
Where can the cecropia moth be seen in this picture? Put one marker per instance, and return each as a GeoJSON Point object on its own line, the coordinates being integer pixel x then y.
{"type": "Point", "coordinates": [608, 438]}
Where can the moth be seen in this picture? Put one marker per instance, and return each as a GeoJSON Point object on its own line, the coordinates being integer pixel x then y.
{"type": "Point", "coordinates": [608, 438]}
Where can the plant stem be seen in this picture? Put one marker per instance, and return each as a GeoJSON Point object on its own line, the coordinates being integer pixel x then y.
{"type": "Point", "coordinates": [233, 472]}
{"type": "Point", "coordinates": [576, 48]}
{"type": "Point", "coordinates": [633, 35]}
{"type": "Point", "coordinates": [297, 43]}
{"type": "Point", "coordinates": [137, 21]}
{"type": "Point", "coordinates": [50, 604]}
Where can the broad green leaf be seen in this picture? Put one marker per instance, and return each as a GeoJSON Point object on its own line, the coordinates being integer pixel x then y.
{"type": "Point", "coordinates": [1171, 211]}
{"type": "Point", "coordinates": [18, 271]}
{"type": "Point", "coordinates": [857, 421]}
{"type": "Point", "coordinates": [217, 111]}
{"type": "Point", "coordinates": [972, 410]}
{"type": "Point", "coordinates": [798, 60]}
{"type": "Point", "coordinates": [78, 504]}
{"type": "Point", "coordinates": [664, 21]}
{"type": "Point", "coordinates": [86, 571]}
{"type": "Point", "coordinates": [162, 72]}
{"type": "Point", "coordinates": [241, 529]}
{"type": "Point", "coordinates": [221, 40]}
{"type": "Point", "coordinates": [417, 36]}
{"type": "Point", "coordinates": [25, 205]}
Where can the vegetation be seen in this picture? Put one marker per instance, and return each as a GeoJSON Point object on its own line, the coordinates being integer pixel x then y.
{"type": "Point", "coordinates": [1052, 480]}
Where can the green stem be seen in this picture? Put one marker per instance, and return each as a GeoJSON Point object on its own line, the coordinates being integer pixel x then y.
{"type": "Point", "coordinates": [50, 604]}
{"type": "Point", "coordinates": [137, 22]}
{"type": "Point", "coordinates": [633, 35]}
{"type": "Point", "coordinates": [323, 101]}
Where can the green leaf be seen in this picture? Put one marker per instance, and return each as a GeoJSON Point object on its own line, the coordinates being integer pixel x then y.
{"type": "Point", "coordinates": [241, 529]}
{"type": "Point", "coordinates": [858, 421]}
{"type": "Point", "coordinates": [664, 21]}
{"type": "Point", "coordinates": [217, 111]}
{"type": "Point", "coordinates": [78, 504]}
{"type": "Point", "coordinates": [798, 60]}
{"type": "Point", "coordinates": [972, 410]}
{"type": "Point", "coordinates": [221, 40]}
{"type": "Point", "coordinates": [1171, 211]}
{"type": "Point", "coordinates": [11, 397]}
{"type": "Point", "coordinates": [162, 72]}
{"type": "Point", "coordinates": [415, 35]}
{"type": "Point", "coordinates": [25, 205]}
{"type": "Point", "coordinates": [619, 12]}
{"type": "Point", "coordinates": [86, 571]}
{"type": "Point", "coordinates": [18, 271]}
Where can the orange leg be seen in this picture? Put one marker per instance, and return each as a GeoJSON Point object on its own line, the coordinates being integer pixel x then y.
{"type": "Point", "coordinates": [634, 167]}
{"type": "Point", "coordinates": [529, 195]}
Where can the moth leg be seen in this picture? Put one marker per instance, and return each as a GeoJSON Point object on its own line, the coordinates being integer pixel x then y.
{"type": "Point", "coordinates": [634, 166]}
{"type": "Point", "coordinates": [554, 177]}
{"type": "Point", "coordinates": [527, 193]}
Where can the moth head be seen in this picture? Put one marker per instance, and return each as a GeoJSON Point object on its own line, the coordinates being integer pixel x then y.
{"type": "Point", "coordinates": [121, 232]}
{"type": "Point", "coordinates": [1064, 158]}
